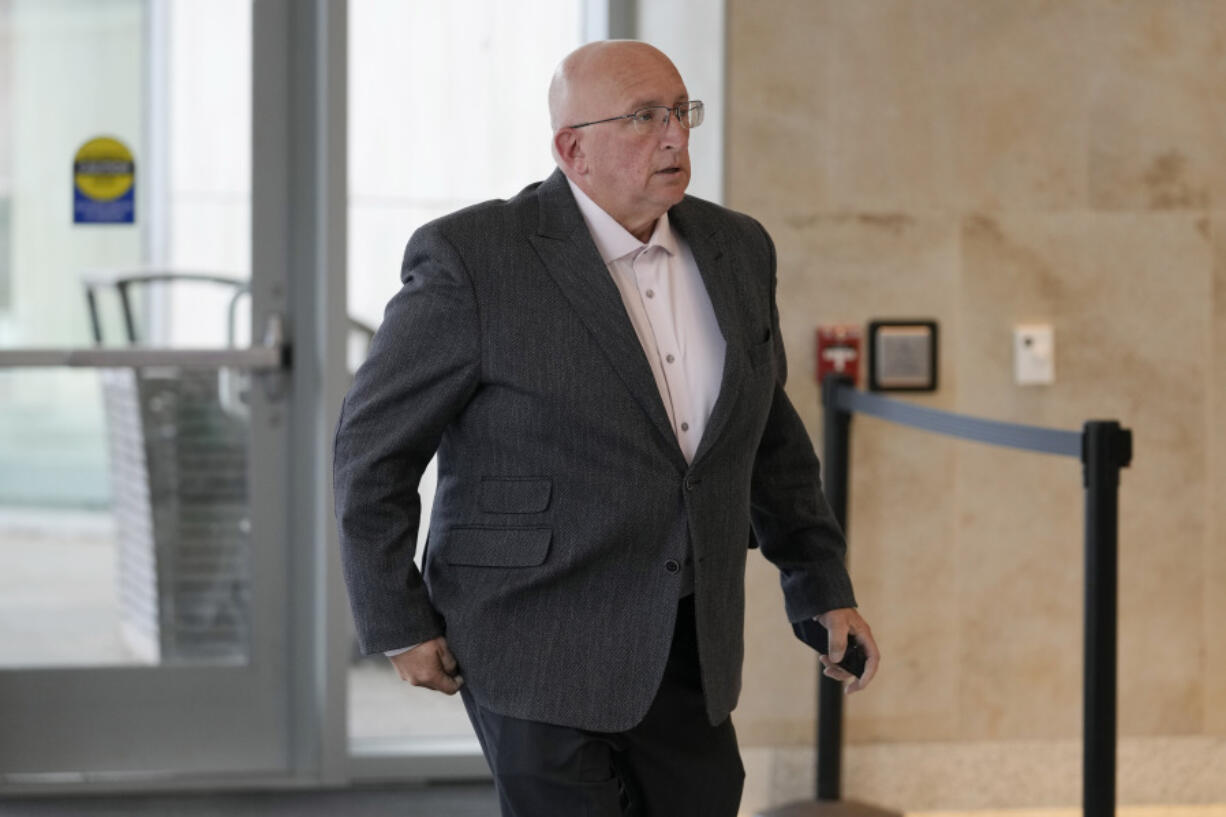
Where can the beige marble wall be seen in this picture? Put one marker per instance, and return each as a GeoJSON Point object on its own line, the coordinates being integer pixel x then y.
{"type": "Point", "coordinates": [1014, 774]}
{"type": "Point", "coordinates": [1215, 545]}
{"type": "Point", "coordinates": [987, 163]}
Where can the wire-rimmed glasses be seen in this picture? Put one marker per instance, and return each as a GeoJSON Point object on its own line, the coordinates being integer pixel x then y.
{"type": "Point", "coordinates": [654, 118]}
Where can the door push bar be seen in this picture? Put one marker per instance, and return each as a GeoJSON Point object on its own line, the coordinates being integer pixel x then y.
{"type": "Point", "coordinates": [272, 355]}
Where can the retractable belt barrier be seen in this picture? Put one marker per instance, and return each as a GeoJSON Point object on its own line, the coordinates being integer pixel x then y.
{"type": "Point", "coordinates": [1103, 448]}
{"type": "Point", "coordinates": [1011, 435]}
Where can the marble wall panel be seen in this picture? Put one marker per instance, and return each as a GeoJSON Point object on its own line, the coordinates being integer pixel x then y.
{"type": "Point", "coordinates": [991, 163]}
{"type": "Point", "coordinates": [1015, 269]}
{"type": "Point", "coordinates": [850, 269]}
{"type": "Point", "coordinates": [902, 557]}
{"type": "Point", "coordinates": [1019, 571]}
{"type": "Point", "coordinates": [1146, 335]}
{"type": "Point", "coordinates": [1128, 296]}
{"type": "Point", "coordinates": [1018, 778]}
{"type": "Point", "coordinates": [1019, 584]}
{"type": "Point", "coordinates": [777, 109]}
{"type": "Point", "coordinates": [1157, 127]}
{"type": "Point", "coordinates": [1014, 776]}
{"type": "Point", "coordinates": [837, 269]}
{"type": "Point", "coordinates": [965, 775]}
{"type": "Point", "coordinates": [779, 687]}
{"type": "Point", "coordinates": [883, 121]}
{"type": "Point", "coordinates": [1011, 88]}
{"type": "Point", "coordinates": [1215, 543]}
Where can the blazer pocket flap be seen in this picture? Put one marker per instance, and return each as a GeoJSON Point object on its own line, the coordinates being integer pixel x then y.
{"type": "Point", "coordinates": [515, 494]}
{"type": "Point", "coordinates": [496, 547]}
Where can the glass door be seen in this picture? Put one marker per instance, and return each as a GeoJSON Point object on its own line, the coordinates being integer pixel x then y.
{"type": "Point", "coordinates": [143, 580]}
{"type": "Point", "coordinates": [457, 117]}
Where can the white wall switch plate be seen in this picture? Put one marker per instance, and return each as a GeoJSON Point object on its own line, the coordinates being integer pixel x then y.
{"type": "Point", "coordinates": [1034, 354]}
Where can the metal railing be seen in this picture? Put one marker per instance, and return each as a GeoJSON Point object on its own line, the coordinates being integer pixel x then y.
{"type": "Point", "coordinates": [270, 355]}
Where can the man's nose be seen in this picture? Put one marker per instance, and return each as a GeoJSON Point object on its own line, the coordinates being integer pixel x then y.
{"type": "Point", "coordinates": [675, 134]}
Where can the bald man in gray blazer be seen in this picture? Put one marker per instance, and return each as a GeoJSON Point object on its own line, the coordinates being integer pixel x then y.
{"type": "Point", "coordinates": [583, 580]}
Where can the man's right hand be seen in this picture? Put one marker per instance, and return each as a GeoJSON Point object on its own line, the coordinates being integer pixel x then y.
{"type": "Point", "coordinates": [431, 665]}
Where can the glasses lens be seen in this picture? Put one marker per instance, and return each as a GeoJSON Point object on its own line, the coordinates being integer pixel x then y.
{"type": "Point", "coordinates": [691, 114]}
{"type": "Point", "coordinates": [655, 118]}
{"type": "Point", "coordinates": [650, 120]}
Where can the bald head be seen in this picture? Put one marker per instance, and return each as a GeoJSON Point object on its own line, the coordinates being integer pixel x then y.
{"type": "Point", "coordinates": [589, 77]}
{"type": "Point", "coordinates": [632, 173]}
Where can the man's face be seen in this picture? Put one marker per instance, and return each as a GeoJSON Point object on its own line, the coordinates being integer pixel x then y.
{"type": "Point", "coordinates": [633, 176]}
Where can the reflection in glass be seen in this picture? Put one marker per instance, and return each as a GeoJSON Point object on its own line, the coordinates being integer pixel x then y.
{"type": "Point", "coordinates": [179, 494]}
{"type": "Point", "coordinates": [123, 494]}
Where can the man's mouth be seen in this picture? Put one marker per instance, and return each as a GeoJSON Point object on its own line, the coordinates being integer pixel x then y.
{"type": "Point", "coordinates": [670, 170]}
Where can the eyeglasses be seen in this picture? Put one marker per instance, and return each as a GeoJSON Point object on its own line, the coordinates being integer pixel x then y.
{"type": "Point", "coordinates": [654, 118]}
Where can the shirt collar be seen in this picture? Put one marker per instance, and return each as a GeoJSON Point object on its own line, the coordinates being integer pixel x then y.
{"type": "Point", "coordinates": [614, 241]}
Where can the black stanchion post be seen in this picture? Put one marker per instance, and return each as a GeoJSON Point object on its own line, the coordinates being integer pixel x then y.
{"type": "Point", "coordinates": [836, 436]}
{"type": "Point", "coordinates": [1106, 448]}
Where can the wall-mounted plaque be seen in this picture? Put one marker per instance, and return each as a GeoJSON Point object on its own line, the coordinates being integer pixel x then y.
{"type": "Point", "coordinates": [902, 355]}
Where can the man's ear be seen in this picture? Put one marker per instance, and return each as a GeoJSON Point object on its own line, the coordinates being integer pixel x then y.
{"type": "Point", "coordinates": [569, 149]}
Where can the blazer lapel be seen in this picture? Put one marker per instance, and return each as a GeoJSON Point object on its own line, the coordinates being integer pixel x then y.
{"type": "Point", "coordinates": [707, 245]}
{"type": "Point", "coordinates": [566, 248]}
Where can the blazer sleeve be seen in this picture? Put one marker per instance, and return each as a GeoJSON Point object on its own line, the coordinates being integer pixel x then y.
{"type": "Point", "coordinates": [794, 526]}
{"type": "Point", "coordinates": [422, 368]}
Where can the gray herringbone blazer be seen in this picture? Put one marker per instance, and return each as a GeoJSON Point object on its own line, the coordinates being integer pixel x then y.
{"type": "Point", "coordinates": [564, 502]}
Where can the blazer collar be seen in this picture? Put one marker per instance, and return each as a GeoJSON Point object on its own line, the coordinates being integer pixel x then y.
{"type": "Point", "coordinates": [566, 248]}
{"type": "Point", "coordinates": [706, 242]}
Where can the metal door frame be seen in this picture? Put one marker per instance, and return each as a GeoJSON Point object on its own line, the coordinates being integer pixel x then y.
{"type": "Point", "coordinates": [296, 723]}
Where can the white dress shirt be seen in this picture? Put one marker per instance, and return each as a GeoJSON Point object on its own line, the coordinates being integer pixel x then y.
{"type": "Point", "coordinates": [671, 312]}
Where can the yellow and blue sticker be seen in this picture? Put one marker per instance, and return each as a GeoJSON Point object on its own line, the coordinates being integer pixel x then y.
{"type": "Point", "coordinates": [103, 183]}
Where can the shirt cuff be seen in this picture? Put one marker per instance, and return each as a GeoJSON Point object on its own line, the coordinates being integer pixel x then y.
{"type": "Point", "coordinates": [394, 653]}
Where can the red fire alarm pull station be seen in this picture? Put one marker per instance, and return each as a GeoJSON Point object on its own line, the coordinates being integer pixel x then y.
{"type": "Point", "coordinates": [838, 351]}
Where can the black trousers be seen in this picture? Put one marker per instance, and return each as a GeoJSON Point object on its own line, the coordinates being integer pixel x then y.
{"type": "Point", "coordinates": [672, 764]}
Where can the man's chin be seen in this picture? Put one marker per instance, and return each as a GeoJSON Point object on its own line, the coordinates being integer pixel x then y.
{"type": "Point", "coordinates": [675, 183]}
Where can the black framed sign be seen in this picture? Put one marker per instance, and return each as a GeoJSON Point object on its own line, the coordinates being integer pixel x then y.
{"type": "Point", "coordinates": [902, 355]}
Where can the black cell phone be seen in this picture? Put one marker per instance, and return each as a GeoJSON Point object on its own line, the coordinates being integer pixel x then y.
{"type": "Point", "coordinates": [814, 634]}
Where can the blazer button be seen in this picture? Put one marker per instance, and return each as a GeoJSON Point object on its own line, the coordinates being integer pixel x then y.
{"type": "Point", "coordinates": [671, 566]}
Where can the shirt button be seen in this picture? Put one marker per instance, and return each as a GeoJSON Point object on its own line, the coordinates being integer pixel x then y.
{"type": "Point", "coordinates": [672, 566]}
{"type": "Point", "coordinates": [651, 293]}
{"type": "Point", "coordinates": [669, 358]}
{"type": "Point", "coordinates": [685, 426]}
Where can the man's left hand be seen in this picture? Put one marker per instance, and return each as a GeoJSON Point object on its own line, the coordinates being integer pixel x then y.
{"type": "Point", "coordinates": [838, 624]}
